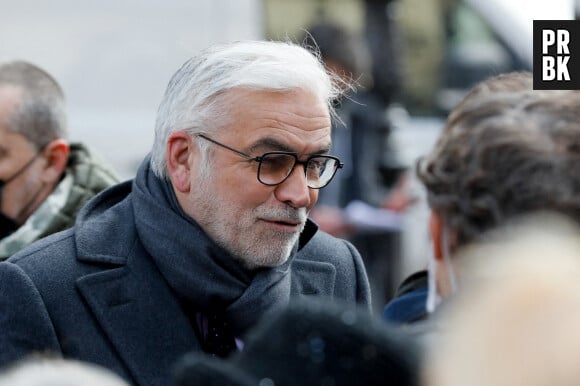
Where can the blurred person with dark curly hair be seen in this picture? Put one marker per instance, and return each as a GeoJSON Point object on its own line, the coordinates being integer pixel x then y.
{"type": "Point", "coordinates": [501, 155]}
{"type": "Point", "coordinates": [409, 303]}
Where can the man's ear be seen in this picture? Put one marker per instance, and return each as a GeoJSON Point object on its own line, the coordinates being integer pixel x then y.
{"type": "Point", "coordinates": [56, 155]}
{"type": "Point", "coordinates": [436, 233]}
{"type": "Point", "coordinates": [180, 149]}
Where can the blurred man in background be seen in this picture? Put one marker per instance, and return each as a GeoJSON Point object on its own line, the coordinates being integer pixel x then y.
{"type": "Point", "coordinates": [44, 180]}
{"type": "Point", "coordinates": [360, 137]}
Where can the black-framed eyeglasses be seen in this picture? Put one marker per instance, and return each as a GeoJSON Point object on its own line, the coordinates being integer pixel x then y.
{"type": "Point", "coordinates": [274, 167]}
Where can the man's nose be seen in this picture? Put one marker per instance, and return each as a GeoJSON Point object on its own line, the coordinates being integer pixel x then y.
{"type": "Point", "coordinates": [294, 190]}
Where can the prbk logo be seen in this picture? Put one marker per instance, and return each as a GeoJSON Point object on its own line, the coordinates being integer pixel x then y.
{"type": "Point", "coordinates": [556, 55]}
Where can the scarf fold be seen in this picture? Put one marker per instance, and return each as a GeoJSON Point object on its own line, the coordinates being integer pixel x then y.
{"type": "Point", "coordinates": [203, 275]}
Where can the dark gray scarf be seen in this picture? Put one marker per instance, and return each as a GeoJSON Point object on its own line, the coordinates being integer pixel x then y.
{"type": "Point", "coordinates": [203, 275]}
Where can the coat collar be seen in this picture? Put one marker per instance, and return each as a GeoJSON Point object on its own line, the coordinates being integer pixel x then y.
{"type": "Point", "coordinates": [130, 300]}
{"type": "Point", "coordinates": [140, 316]}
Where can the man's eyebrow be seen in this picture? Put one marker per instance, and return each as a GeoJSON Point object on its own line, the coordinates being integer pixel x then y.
{"type": "Point", "coordinates": [269, 143]}
{"type": "Point", "coordinates": [272, 144]}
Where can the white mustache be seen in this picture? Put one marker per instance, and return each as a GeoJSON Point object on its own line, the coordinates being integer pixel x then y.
{"type": "Point", "coordinates": [289, 215]}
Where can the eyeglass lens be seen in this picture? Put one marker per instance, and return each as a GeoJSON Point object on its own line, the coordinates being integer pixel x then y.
{"type": "Point", "coordinates": [274, 168]}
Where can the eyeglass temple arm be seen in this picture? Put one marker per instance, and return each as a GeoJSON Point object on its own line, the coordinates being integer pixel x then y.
{"type": "Point", "coordinates": [248, 156]}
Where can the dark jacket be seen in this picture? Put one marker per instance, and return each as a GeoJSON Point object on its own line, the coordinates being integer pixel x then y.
{"type": "Point", "coordinates": [409, 304]}
{"type": "Point", "coordinates": [93, 293]}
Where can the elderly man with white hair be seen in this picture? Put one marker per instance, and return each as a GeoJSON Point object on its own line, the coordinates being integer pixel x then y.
{"type": "Point", "coordinates": [210, 236]}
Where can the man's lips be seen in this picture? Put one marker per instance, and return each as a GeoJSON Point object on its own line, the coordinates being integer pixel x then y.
{"type": "Point", "coordinates": [285, 224]}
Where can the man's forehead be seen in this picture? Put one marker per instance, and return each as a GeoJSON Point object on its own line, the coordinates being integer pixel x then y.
{"type": "Point", "coordinates": [295, 120]}
{"type": "Point", "coordinates": [279, 144]}
{"type": "Point", "coordinates": [240, 99]}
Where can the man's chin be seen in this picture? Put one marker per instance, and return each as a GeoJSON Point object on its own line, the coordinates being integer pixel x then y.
{"type": "Point", "coordinates": [269, 260]}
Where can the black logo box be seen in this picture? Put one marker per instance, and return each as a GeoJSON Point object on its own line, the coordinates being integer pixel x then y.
{"type": "Point", "coordinates": [573, 27]}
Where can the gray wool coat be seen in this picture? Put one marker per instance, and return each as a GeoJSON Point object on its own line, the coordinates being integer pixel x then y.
{"type": "Point", "coordinates": [92, 293]}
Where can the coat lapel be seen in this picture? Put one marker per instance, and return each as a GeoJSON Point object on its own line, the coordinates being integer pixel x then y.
{"type": "Point", "coordinates": [313, 278]}
{"type": "Point", "coordinates": [141, 317]}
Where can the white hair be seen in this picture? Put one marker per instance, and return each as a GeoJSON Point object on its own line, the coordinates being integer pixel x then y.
{"type": "Point", "coordinates": [194, 98]}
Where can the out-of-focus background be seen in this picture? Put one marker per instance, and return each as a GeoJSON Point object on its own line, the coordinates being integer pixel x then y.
{"type": "Point", "coordinates": [114, 58]}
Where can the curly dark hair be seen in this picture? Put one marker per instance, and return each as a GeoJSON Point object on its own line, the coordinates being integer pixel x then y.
{"type": "Point", "coordinates": [514, 81]}
{"type": "Point", "coordinates": [505, 155]}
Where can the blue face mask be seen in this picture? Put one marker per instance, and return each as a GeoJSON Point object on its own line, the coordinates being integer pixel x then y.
{"type": "Point", "coordinates": [8, 225]}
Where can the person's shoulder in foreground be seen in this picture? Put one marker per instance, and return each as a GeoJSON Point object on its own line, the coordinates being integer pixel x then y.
{"type": "Point", "coordinates": [214, 227]}
{"type": "Point", "coordinates": [515, 320]}
{"type": "Point", "coordinates": [44, 179]}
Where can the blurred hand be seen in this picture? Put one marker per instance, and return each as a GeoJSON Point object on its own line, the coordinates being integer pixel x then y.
{"type": "Point", "coordinates": [399, 199]}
